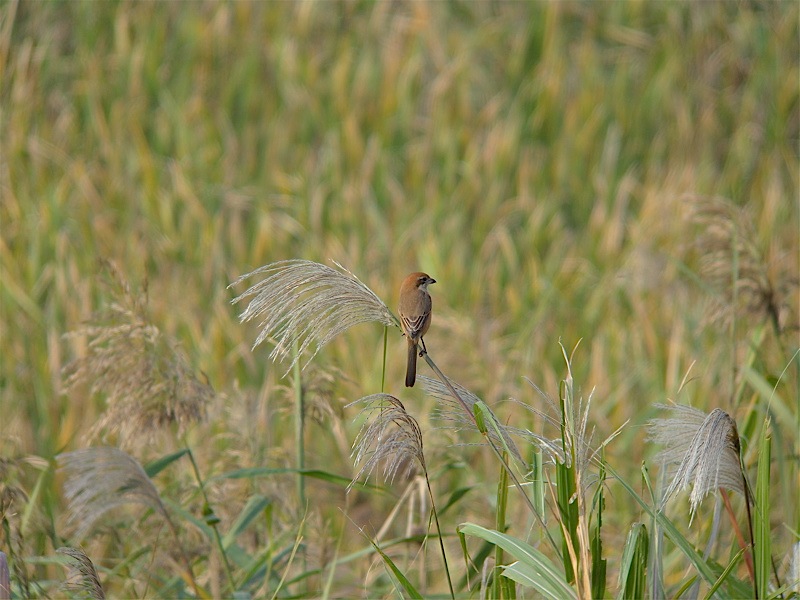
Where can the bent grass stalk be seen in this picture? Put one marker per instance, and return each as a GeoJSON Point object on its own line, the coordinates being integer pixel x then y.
{"type": "Point", "coordinates": [491, 445]}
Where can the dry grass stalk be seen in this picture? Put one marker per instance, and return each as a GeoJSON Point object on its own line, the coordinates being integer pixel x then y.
{"type": "Point", "coordinates": [701, 451]}
{"type": "Point", "coordinates": [307, 303]}
{"type": "Point", "coordinates": [82, 576]}
{"type": "Point", "coordinates": [147, 381]}
{"type": "Point", "coordinates": [100, 479]}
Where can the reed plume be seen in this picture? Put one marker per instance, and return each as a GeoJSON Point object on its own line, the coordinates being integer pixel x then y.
{"type": "Point", "coordinates": [741, 280]}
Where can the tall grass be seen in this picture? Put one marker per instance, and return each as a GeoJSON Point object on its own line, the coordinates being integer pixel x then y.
{"type": "Point", "coordinates": [623, 174]}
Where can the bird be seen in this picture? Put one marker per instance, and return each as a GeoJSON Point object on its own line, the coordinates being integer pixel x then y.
{"type": "Point", "coordinates": [415, 317]}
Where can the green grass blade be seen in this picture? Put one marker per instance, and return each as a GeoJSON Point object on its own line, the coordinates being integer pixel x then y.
{"type": "Point", "coordinates": [254, 507]}
{"type": "Point", "coordinates": [734, 561]}
{"type": "Point", "coordinates": [401, 578]}
{"type": "Point", "coordinates": [455, 496]}
{"type": "Point", "coordinates": [532, 568]}
{"type": "Point", "coordinates": [500, 525]}
{"type": "Point", "coordinates": [326, 476]}
{"type": "Point", "coordinates": [568, 513]}
{"type": "Point", "coordinates": [761, 528]}
{"type": "Point", "coordinates": [598, 562]}
{"type": "Point", "coordinates": [155, 467]}
{"type": "Point", "coordinates": [633, 566]}
{"type": "Point", "coordinates": [704, 569]}
{"type": "Point", "coordinates": [530, 577]}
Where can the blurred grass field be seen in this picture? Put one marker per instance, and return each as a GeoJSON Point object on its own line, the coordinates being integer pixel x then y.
{"type": "Point", "coordinates": [540, 160]}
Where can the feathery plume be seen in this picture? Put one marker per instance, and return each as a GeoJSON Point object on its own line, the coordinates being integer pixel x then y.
{"type": "Point", "coordinates": [147, 381]}
{"type": "Point", "coordinates": [450, 410]}
{"type": "Point", "coordinates": [577, 435]}
{"type": "Point", "coordinates": [306, 302]}
{"type": "Point", "coordinates": [731, 262]}
{"type": "Point", "coordinates": [82, 576]}
{"type": "Point", "coordinates": [390, 435]}
{"type": "Point", "coordinates": [700, 450]}
{"type": "Point", "coordinates": [100, 479]}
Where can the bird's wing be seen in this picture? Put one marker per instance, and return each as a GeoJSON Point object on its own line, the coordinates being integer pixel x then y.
{"type": "Point", "coordinates": [413, 325]}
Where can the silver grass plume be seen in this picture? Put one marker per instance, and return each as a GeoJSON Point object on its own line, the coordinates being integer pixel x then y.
{"type": "Point", "coordinates": [305, 302]}
{"type": "Point", "coordinates": [82, 576]}
{"type": "Point", "coordinates": [148, 382]}
{"type": "Point", "coordinates": [100, 479]}
{"type": "Point", "coordinates": [701, 451]}
{"type": "Point", "coordinates": [390, 436]}
{"type": "Point", "coordinates": [450, 410]}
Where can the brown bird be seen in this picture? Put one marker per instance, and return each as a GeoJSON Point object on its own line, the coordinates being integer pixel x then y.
{"type": "Point", "coordinates": [415, 317]}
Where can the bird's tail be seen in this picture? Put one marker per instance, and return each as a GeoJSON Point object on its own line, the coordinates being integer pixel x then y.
{"type": "Point", "coordinates": [411, 365]}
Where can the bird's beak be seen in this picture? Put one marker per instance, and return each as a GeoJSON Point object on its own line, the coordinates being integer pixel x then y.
{"type": "Point", "coordinates": [431, 280]}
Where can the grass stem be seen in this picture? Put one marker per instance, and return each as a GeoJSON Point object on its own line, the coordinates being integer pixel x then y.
{"type": "Point", "coordinates": [211, 519]}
